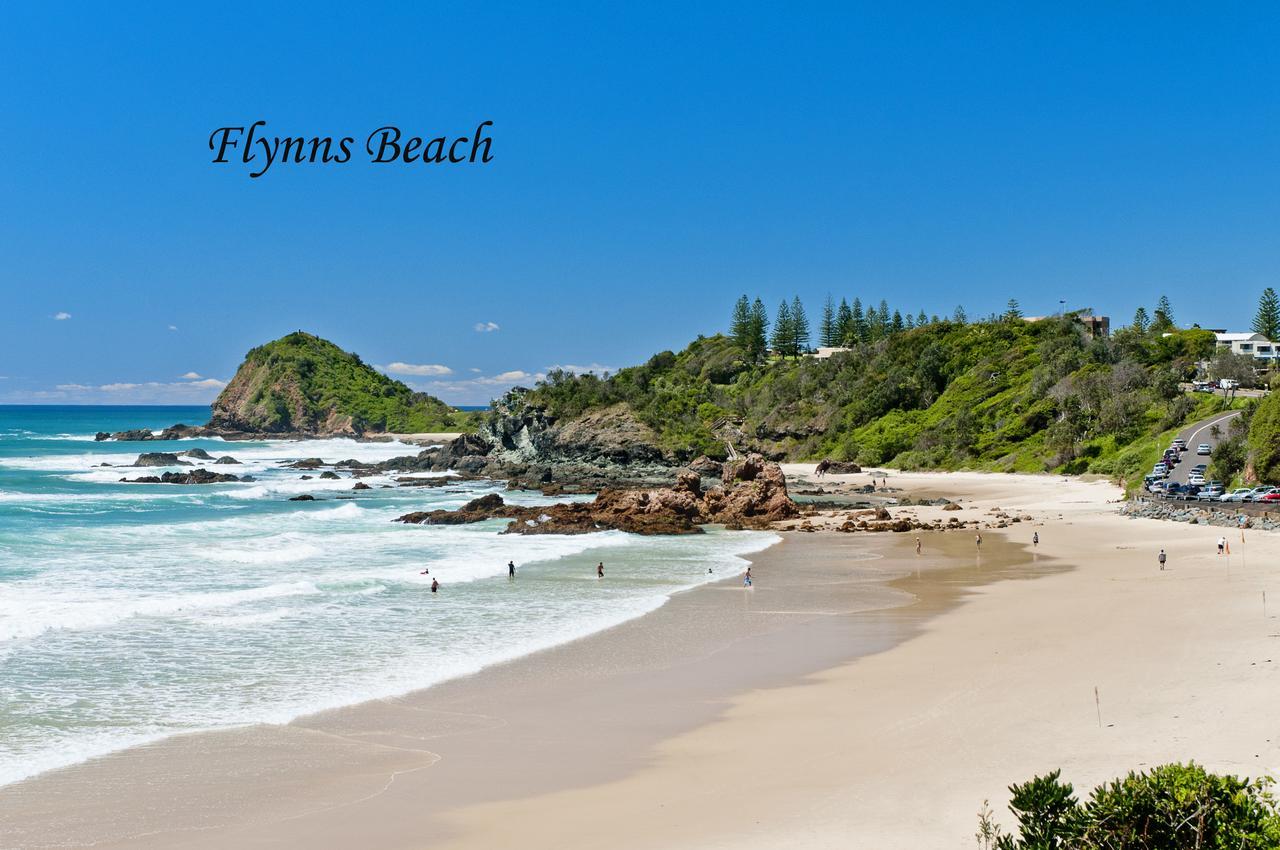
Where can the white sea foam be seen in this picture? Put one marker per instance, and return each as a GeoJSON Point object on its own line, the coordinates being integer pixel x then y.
{"type": "Point", "coordinates": [26, 612]}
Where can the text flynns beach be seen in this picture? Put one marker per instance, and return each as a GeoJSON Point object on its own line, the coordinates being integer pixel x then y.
{"type": "Point", "coordinates": [387, 144]}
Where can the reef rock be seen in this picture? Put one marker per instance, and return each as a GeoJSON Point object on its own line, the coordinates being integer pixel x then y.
{"type": "Point", "coordinates": [160, 459]}
{"type": "Point", "coordinates": [754, 494]}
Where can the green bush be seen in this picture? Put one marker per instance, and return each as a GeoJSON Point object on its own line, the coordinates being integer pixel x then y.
{"type": "Point", "coordinates": [1171, 807]}
{"type": "Point", "coordinates": [1264, 440]}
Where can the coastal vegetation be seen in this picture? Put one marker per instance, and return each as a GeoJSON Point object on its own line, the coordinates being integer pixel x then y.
{"type": "Point", "coordinates": [302, 383]}
{"type": "Point", "coordinates": [1005, 393]}
{"type": "Point", "coordinates": [1171, 806]}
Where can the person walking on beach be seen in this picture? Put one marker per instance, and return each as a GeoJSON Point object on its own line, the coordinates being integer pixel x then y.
{"type": "Point", "coordinates": [511, 569]}
{"type": "Point", "coordinates": [1035, 539]}
{"type": "Point", "coordinates": [746, 578]}
{"type": "Point", "coordinates": [978, 540]}
{"type": "Point", "coordinates": [917, 545]}
{"type": "Point", "coordinates": [1222, 544]}
{"type": "Point", "coordinates": [600, 570]}
{"type": "Point", "coordinates": [1162, 558]}
{"type": "Point", "coordinates": [435, 585]}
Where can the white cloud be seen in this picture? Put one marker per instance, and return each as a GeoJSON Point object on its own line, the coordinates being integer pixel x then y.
{"type": "Point", "coordinates": [193, 376]}
{"type": "Point", "coordinates": [61, 316]}
{"type": "Point", "coordinates": [147, 392]}
{"type": "Point", "coordinates": [507, 377]}
{"type": "Point", "coordinates": [475, 370]}
{"type": "Point", "coordinates": [173, 327]}
{"type": "Point", "coordinates": [432, 369]}
{"type": "Point", "coordinates": [486, 327]}
{"type": "Point", "coordinates": [595, 368]}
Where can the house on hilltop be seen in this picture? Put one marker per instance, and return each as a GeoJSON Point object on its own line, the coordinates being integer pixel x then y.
{"type": "Point", "coordinates": [1253, 345]}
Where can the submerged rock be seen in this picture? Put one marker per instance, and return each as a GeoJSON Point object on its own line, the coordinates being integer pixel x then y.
{"type": "Point", "coordinates": [226, 459]}
{"type": "Point", "coordinates": [305, 497]}
{"type": "Point", "coordinates": [200, 454]}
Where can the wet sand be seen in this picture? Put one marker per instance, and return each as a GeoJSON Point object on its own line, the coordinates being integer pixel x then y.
{"type": "Point", "coordinates": [393, 773]}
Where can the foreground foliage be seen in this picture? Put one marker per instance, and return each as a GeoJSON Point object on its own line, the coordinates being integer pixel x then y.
{"type": "Point", "coordinates": [1171, 807]}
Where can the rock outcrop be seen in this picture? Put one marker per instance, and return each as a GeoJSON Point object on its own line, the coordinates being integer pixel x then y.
{"type": "Point", "coordinates": [836, 467]}
{"type": "Point", "coordinates": [604, 448]}
{"type": "Point", "coordinates": [753, 495]}
{"type": "Point", "coordinates": [160, 459]}
{"type": "Point", "coordinates": [195, 476]}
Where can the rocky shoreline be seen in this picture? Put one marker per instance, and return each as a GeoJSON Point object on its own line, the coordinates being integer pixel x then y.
{"type": "Point", "coordinates": [752, 494]}
{"type": "Point", "coordinates": [1197, 513]}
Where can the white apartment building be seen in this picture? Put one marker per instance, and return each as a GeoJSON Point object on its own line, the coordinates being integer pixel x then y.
{"type": "Point", "coordinates": [1251, 344]}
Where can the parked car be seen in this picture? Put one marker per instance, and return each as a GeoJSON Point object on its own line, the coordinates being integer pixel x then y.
{"type": "Point", "coordinates": [1180, 444]}
{"type": "Point", "coordinates": [1202, 386]}
{"type": "Point", "coordinates": [1229, 384]}
{"type": "Point", "coordinates": [1256, 494]}
{"type": "Point", "coordinates": [1193, 478]}
{"type": "Point", "coordinates": [1204, 449]}
{"type": "Point", "coordinates": [1210, 493]}
{"type": "Point", "coordinates": [1272, 497]}
{"type": "Point", "coordinates": [1160, 469]}
{"type": "Point", "coordinates": [1236, 495]}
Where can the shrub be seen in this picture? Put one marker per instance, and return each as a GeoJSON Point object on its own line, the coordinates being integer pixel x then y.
{"type": "Point", "coordinates": [1168, 808]}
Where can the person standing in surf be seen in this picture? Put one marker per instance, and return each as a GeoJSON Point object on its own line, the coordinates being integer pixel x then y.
{"type": "Point", "coordinates": [511, 569]}
{"type": "Point", "coordinates": [600, 570]}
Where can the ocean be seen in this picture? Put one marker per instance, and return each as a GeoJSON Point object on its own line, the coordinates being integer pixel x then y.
{"type": "Point", "coordinates": [132, 612]}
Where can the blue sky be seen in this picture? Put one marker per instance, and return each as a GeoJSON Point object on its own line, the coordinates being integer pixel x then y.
{"type": "Point", "coordinates": [649, 165]}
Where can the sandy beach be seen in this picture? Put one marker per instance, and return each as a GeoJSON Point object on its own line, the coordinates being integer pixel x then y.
{"type": "Point", "coordinates": [858, 695]}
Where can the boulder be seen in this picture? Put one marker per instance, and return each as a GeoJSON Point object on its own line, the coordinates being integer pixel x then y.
{"type": "Point", "coordinates": [706, 467]}
{"type": "Point", "coordinates": [160, 459]}
{"type": "Point", "coordinates": [360, 485]}
{"type": "Point", "coordinates": [836, 467]}
{"type": "Point", "coordinates": [307, 463]}
{"type": "Point", "coordinates": [200, 454]}
{"type": "Point", "coordinates": [951, 506]}
{"type": "Point", "coordinates": [199, 476]}
{"type": "Point", "coordinates": [305, 497]}
{"type": "Point", "coordinates": [195, 476]}
{"type": "Point", "coordinates": [226, 459]}
{"type": "Point", "coordinates": [328, 476]}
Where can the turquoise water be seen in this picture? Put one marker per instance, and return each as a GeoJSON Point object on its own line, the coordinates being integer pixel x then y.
{"type": "Point", "coordinates": [130, 612]}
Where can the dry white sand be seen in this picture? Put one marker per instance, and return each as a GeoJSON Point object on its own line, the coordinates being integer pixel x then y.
{"type": "Point", "coordinates": [899, 750]}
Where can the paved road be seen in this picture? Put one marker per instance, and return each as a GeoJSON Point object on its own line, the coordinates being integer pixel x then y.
{"type": "Point", "coordinates": [1200, 432]}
